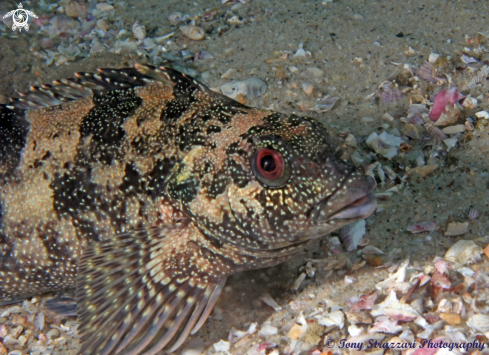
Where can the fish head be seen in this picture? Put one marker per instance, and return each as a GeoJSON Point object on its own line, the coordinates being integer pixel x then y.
{"type": "Point", "coordinates": [273, 184]}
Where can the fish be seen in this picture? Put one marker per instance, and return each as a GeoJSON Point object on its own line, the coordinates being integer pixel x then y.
{"type": "Point", "coordinates": [142, 190]}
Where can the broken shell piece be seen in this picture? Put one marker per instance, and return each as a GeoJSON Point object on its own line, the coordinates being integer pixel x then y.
{"type": "Point", "coordinates": [334, 318]}
{"type": "Point", "coordinates": [469, 102]}
{"type": "Point", "coordinates": [358, 318]}
{"type": "Point", "coordinates": [202, 54]}
{"type": "Point", "coordinates": [459, 128]}
{"type": "Point", "coordinates": [228, 74]}
{"type": "Point", "coordinates": [352, 233]}
{"type": "Point", "coordinates": [367, 119]}
{"type": "Point", "coordinates": [139, 31]}
{"type": "Point", "coordinates": [295, 332]}
{"type": "Point", "coordinates": [410, 131]}
{"type": "Point", "coordinates": [449, 117]}
{"type": "Point", "coordinates": [423, 170]}
{"type": "Point", "coordinates": [450, 142]}
{"type": "Point", "coordinates": [445, 97]}
{"type": "Point", "coordinates": [349, 279]}
{"type": "Point", "coordinates": [456, 228]}
{"type": "Point", "coordinates": [464, 252]}
{"type": "Point", "coordinates": [193, 32]}
{"type": "Point", "coordinates": [427, 72]}
{"type": "Point", "coordinates": [451, 318]}
{"type": "Point", "coordinates": [440, 280]}
{"type": "Point", "coordinates": [389, 94]}
{"type": "Point", "coordinates": [222, 345]}
{"type": "Point", "coordinates": [386, 144]}
{"type": "Point", "coordinates": [385, 325]}
{"type": "Point", "coordinates": [325, 104]}
{"type": "Point", "coordinates": [398, 277]}
{"type": "Point", "coordinates": [365, 302]}
{"type": "Point", "coordinates": [351, 141]}
{"type": "Point", "coordinates": [473, 213]}
{"type": "Point", "coordinates": [308, 89]}
{"type": "Point", "coordinates": [482, 115]}
{"type": "Point", "coordinates": [315, 72]}
{"type": "Point", "coordinates": [433, 57]}
{"type": "Point", "coordinates": [441, 265]}
{"type": "Point", "coordinates": [252, 87]}
{"type": "Point", "coordinates": [355, 330]}
{"type": "Point", "coordinates": [392, 308]}
{"type": "Point", "coordinates": [423, 227]}
{"type": "Point", "coordinates": [298, 281]}
{"type": "Point", "coordinates": [235, 335]}
{"type": "Point", "coordinates": [267, 298]}
{"type": "Point", "coordinates": [268, 329]}
{"type": "Point", "coordinates": [479, 322]}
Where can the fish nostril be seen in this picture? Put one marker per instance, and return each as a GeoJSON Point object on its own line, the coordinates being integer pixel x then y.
{"type": "Point", "coordinates": [322, 154]}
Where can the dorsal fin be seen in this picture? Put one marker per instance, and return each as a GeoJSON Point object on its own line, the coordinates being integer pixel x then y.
{"type": "Point", "coordinates": [89, 84]}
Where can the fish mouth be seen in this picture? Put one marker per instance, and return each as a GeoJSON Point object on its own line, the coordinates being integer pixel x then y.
{"type": "Point", "coordinates": [353, 201]}
{"type": "Point", "coordinates": [358, 209]}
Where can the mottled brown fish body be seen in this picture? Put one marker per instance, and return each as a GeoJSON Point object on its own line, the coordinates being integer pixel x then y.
{"type": "Point", "coordinates": [144, 190]}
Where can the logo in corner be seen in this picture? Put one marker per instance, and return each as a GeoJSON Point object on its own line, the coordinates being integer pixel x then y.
{"type": "Point", "coordinates": [20, 18]}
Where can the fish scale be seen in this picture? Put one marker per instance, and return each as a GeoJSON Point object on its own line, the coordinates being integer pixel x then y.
{"type": "Point", "coordinates": [143, 190]}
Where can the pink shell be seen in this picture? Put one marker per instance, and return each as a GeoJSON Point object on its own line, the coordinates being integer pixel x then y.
{"type": "Point", "coordinates": [385, 325]}
{"type": "Point", "coordinates": [438, 279]}
{"type": "Point", "coordinates": [445, 97]}
{"type": "Point", "coordinates": [423, 227]}
{"type": "Point", "coordinates": [365, 302]}
{"type": "Point", "coordinates": [441, 265]}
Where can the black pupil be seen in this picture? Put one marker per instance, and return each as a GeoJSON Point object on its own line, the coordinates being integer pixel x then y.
{"type": "Point", "coordinates": [268, 163]}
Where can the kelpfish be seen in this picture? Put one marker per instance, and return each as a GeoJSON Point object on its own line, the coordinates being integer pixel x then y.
{"type": "Point", "coordinates": [143, 190]}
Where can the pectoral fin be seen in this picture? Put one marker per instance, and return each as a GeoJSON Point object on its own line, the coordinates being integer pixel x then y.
{"type": "Point", "coordinates": [146, 290]}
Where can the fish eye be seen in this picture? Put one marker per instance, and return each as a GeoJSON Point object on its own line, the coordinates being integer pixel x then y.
{"type": "Point", "coordinates": [270, 167]}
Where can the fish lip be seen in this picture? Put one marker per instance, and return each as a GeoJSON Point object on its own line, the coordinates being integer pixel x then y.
{"type": "Point", "coordinates": [358, 203]}
{"type": "Point", "coordinates": [358, 209]}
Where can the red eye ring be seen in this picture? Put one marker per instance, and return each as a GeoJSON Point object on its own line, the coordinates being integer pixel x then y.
{"type": "Point", "coordinates": [270, 167]}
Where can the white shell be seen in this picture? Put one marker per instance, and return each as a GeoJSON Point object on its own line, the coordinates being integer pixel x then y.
{"type": "Point", "coordinates": [235, 335]}
{"type": "Point", "coordinates": [354, 330]}
{"type": "Point", "coordinates": [139, 31]}
{"type": "Point", "coordinates": [449, 117]}
{"type": "Point", "coordinates": [386, 144]}
{"type": "Point", "coordinates": [479, 322]}
{"type": "Point", "coordinates": [252, 87]}
{"type": "Point", "coordinates": [352, 233]}
{"type": "Point", "coordinates": [385, 325]}
{"type": "Point", "coordinates": [459, 128]}
{"type": "Point", "coordinates": [334, 318]}
{"type": "Point", "coordinates": [267, 298]}
{"type": "Point", "coordinates": [222, 345]}
{"type": "Point", "coordinates": [455, 228]}
{"type": "Point", "coordinates": [469, 102]}
{"type": "Point", "coordinates": [464, 252]}
{"type": "Point", "coordinates": [433, 57]}
{"type": "Point", "coordinates": [268, 329]}
{"type": "Point", "coordinates": [193, 32]}
{"type": "Point", "coordinates": [482, 114]}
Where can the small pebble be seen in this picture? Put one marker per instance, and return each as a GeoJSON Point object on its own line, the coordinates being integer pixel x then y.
{"type": "Point", "coordinates": [451, 318]}
{"type": "Point", "coordinates": [295, 332]}
{"type": "Point", "coordinates": [454, 129]}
